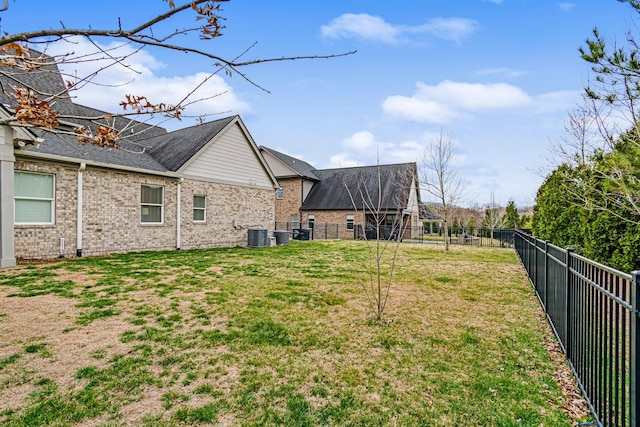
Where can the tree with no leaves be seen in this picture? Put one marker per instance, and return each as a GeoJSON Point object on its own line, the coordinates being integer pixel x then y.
{"type": "Point", "coordinates": [441, 179]}
{"type": "Point", "coordinates": [383, 240]}
{"type": "Point", "coordinates": [26, 52]}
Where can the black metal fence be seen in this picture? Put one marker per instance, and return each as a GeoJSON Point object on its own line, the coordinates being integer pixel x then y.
{"type": "Point", "coordinates": [456, 236]}
{"type": "Point", "coordinates": [593, 310]}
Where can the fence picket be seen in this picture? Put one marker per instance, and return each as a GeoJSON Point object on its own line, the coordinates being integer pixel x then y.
{"type": "Point", "coordinates": [594, 312]}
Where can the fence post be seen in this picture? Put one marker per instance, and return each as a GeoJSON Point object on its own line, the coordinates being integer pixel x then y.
{"type": "Point", "coordinates": [546, 276]}
{"type": "Point", "coordinates": [568, 346]}
{"type": "Point", "coordinates": [634, 368]}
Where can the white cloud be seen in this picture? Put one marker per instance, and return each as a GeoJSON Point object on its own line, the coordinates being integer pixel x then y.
{"type": "Point", "coordinates": [449, 100]}
{"type": "Point", "coordinates": [558, 101]}
{"type": "Point", "coordinates": [360, 141]}
{"type": "Point", "coordinates": [567, 7]}
{"type": "Point", "coordinates": [374, 28]}
{"type": "Point", "coordinates": [502, 71]}
{"type": "Point", "coordinates": [137, 76]}
{"type": "Point", "coordinates": [446, 28]}
{"type": "Point", "coordinates": [341, 160]}
{"type": "Point", "coordinates": [362, 148]}
{"type": "Point", "coordinates": [362, 26]}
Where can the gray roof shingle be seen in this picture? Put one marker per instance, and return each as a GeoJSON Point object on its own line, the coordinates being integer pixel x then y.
{"type": "Point", "coordinates": [332, 191]}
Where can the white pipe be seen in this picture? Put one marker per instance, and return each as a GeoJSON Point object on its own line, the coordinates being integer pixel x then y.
{"type": "Point", "coordinates": [81, 169]}
{"type": "Point", "coordinates": [178, 220]}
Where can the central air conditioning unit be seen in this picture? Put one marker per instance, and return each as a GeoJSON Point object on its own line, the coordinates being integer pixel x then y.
{"type": "Point", "coordinates": [257, 238]}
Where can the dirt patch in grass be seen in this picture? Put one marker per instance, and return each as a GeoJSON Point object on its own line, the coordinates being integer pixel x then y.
{"type": "Point", "coordinates": [50, 321]}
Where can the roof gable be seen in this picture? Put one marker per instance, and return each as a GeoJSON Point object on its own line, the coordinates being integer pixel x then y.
{"type": "Point", "coordinates": [231, 157]}
{"type": "Point", "coordinates": [143, 146]}
{"type": "Point", "coordinates": [176, 148]}
{"type": "Point", "coordinates": [296, 166]}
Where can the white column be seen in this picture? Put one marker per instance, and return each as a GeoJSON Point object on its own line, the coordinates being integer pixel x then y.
{"type": "Point", "coordinates": [7, 232]}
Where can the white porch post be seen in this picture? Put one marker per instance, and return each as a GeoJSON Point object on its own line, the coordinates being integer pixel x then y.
{"type": "Point", "coordinates": [7, 161]}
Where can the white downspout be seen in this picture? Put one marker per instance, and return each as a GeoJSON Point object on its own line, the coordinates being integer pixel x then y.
{"type": "Point", "coordinates": [81, 169]}
{"type": "Point", "coordinates": [178, 220]}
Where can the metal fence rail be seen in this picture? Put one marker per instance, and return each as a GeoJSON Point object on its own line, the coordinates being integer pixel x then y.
{"type": "Point", "coordinates": [593, 310]}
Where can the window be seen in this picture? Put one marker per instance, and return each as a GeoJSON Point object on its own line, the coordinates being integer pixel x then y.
{"type": "Point", "coordinates": [152, 204]}
{"type": "Point", "coordinates": [280, 192]}
{"type": "Point", "coordinates": [34, 197]}
{"type": "Point", "coordinates": [199, 208]}
{"type": "Point", "coordinates": [311, 219]}
{"type": "Point", "coordinates": [294, 221]}
{"type": "Point", "coordinates": [349, 222]}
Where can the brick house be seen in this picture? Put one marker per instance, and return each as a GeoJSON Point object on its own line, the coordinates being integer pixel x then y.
{"type": "Point", "coordinates": [346, 198]}
{"type": "Point", "coordinates": [201, 186]}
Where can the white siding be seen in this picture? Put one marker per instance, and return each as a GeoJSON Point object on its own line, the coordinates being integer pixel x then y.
{"type": "Point", "coordinates": [230, 159]}
{"type": "Point", "coordinates": [306, 187]}
{"type": "Point", "coordinates": [277, 166]}
{"type": "Point", "coordinates": [412, 204]}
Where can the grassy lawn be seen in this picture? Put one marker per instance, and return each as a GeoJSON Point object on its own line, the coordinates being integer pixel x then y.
{"type": "Point", "coordinates": [275, 336]}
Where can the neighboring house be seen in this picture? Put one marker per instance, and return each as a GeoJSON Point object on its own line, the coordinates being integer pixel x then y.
{"type": "Point", "coordinates": [345, 197]}
{"type": "Point", "coordinates": [295, 180]}
{"type": "Point", "coordinates": [202, 186]}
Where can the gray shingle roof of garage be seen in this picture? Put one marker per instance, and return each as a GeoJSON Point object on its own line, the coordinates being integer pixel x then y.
{"type": "Point", "coordinates": [330, 193]}
{"type": "Point", "coordinates": [303, 169]}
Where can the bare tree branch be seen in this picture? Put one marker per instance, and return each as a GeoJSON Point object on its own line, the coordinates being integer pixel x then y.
{"type": "Point", "coordinates": [16, 58]}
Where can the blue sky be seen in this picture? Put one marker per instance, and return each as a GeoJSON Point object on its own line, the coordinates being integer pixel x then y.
{"type": "Point", "coordinates": [499, 76]}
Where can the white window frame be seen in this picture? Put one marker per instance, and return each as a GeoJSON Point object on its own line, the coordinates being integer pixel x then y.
{"type": "Point", "coordinates": [203, 209]}
{"type": "Point", "coordinates": [51, 200]}
{"type": "Point", "coordinates": [311, 220]}
{"type": "Point", "coordinates": [280, 193]}
{"type": "Point", "coordinates": [350, 221]}
{"type": "Point", "coordinates": [295, 221]}
{"type": "Point", "coordinates": [143, 204]}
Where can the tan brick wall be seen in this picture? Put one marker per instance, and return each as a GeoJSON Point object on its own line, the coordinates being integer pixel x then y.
{"type": "Point", "coordinates": [249, 207]}
{"type": "Point", "coordinates": [333, 224]}
{"type": "Point", "coordinates": [291, 201]}
{"type": "Point", "coordinates": [111, 214]}
{"type": "Point", "coordinates": [111, 218]}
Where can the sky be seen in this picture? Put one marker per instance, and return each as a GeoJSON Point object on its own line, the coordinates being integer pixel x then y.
{"type": "Point", "coordinates": [499, 77]}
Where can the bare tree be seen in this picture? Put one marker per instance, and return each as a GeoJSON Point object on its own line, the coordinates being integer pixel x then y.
{"type": "Point", "coordinates": [27, 53]}
{"type": "Point", "coordinates": [492, 214]}
{"type": "Point", "coordinates": [582, 136]}
{"type": "Point", "coordinates": [465, 216]}
{"type": "Point", "coordinates": [441, 179]}
{"type": "Point", "coordinates": [381, 237]}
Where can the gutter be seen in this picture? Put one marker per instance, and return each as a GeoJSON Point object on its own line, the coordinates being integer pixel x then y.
{"type": "Point", "coordinates": [54, 157]}
{"type": "Point", "coordinates": [79, 221]}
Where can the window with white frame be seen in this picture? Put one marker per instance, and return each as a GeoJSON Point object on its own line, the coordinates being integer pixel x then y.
{"type": "Point", "coordinates": [349, 222]}
{"type": "Point", "coordinates": [34, 195]}
{"type": "Point", "coordinates": [152, 204]}
{"type": "Point", "coordinates": [294, 221]}
{"type": "Point", "coordinates": [312, 220]}
{"type": "Point", "coordinates": [199, 208]}
{"type": "Point", "coordinates": [280, 192]}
